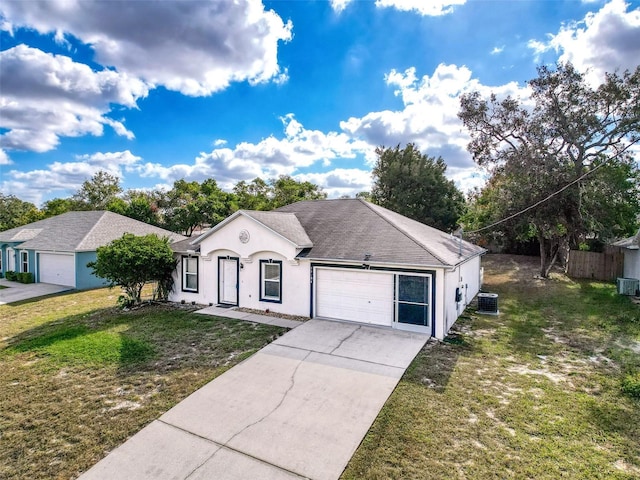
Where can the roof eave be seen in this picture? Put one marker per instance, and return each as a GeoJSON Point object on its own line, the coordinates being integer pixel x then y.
{"type": "Point", "coordinates": [246, 215]}
{"type": "Point", "coordinates": [378, 262]}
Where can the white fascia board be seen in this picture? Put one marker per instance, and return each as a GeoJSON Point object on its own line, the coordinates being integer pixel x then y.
{"type": "Point", "coordinates": [237, 214]}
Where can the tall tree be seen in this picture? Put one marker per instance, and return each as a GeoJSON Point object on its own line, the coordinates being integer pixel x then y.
{"type": "Point", "coordinates": [287, 190]}
{"type": "Point", "coordinates": [15, 212]}
{"type": "Point", "coordinates": [57, 206]}
{"type": "Point", "coordinates": [414, 184]}
{"type": "Point", "coordinates": [254, 195]}
{"type": "Point", "coordinates": [137, 204]}
{"type": "Point", "coordinates": [96, 193]}
{"type": "Point", "coordinates": [543, 152]}
{"type": "Point", "coordinates": [189, 205]}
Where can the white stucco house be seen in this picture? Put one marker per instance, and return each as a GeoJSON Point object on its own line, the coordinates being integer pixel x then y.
{"type": "Point", "coordinates": [343, 259]}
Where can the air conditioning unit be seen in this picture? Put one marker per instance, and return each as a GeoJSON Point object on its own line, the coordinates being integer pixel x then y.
{"type": "Point", "coordinates": [488, 303]}
{"type": "Point", "coordinates": [628, 286]}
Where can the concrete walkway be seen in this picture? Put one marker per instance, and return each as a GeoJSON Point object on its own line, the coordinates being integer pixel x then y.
{"type": "Point", "coordinates": [298, 408]}
{"type": "Point", "coordinates": [250, 317]}
{"type": "Point", "coordinates": [17, 291]}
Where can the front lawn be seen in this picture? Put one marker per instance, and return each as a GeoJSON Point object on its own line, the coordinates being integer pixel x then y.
{"type": "Point", "coordinates": [540, 392]}
{"type": "Point", "coordinates": [78, 376]}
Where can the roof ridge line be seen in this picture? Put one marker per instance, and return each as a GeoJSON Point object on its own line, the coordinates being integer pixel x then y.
{"type": "Point", "coordinates": [92, 227]}
{"type": "Point", "coordinates": [405, 233]}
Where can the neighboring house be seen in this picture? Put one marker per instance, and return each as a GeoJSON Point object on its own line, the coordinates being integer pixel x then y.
{"type": "Point", "coordinates": [343, 259]}
{"type": "Point", "coordinates": [57, 249]}
{"type": "Point", "coordinates": [630, 247]}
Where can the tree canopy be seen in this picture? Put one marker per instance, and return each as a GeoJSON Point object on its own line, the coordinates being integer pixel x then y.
{"type": "Point", "coordinates": [15, 212]}
{"type": "Point", "coordinates": [97, 192]}
{"type": "Point", "coordinates": [568, 149]}
{"type": "Point", "coordinates": [414, 184]}
{"type": "Point", "coordinates": [131, 261]}
{"type": "Point", "coordinates": [183, 208]}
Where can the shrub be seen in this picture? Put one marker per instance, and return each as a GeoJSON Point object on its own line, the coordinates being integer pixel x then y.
{"type": "Point", "coordinates": [631, 385]}
{"type": "Point", "coordinates": [26, 277]}
{"type": "Point", "coordinates": [131, 261]}
{"type": "Point", "coordinates": [11, 275]}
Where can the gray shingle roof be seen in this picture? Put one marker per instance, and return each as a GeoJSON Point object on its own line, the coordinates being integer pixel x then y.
{"type": "Point", "coordinates": [183, 246]}
{"type": "Point", "coordinates": [285, 224]}
{"type": "Point", "coordinates": [349, 229]}
{"type": "Point", "coordinates": [80, 231]}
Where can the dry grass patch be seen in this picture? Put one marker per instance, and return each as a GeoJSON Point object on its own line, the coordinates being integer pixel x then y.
{"type": "Point", "coordinates": [536, 392]}
{"type": "Point", "coordinates": [79, 376]}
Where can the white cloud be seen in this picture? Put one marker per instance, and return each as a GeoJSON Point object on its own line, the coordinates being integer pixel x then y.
{"type": "Point", "coordinates": [269, 158]}
{"type": "Point", "coordinates": [497, 50]}
{"type": "Point", "coordinates": [47, 96]}
{"type": "Point", "coordinates": [423, 7]}
{"type": "Point", "coordinates": [64, 178]}
{"type": "Point", "coordinates": [340, 181]}
{"type": "Point", "coordinates": [194, 47]}
{"type": "Point", "coordinates": [4, 158]}
{"type": "Point", "coordinates": [604, 41]}
{"type": "Point", "coordinates": [432, 8]}
{"type": "Point", "coordinates": [339, 5]}
{"type": "Point", "coordinates": [430, 114]}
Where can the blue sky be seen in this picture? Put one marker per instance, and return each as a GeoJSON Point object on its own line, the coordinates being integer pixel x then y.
{"type": "Point", "coordinates": [157, 91]}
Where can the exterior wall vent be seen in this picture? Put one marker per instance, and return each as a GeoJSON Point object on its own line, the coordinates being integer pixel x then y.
{"type": "Point", "coordinates": [488, 303]}
{"type": "Point", "coordinates": [627, 286]}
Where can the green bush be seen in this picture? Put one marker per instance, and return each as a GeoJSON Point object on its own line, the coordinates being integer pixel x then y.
{"type": "Point", "coordinates": [22, 277]}
{"type": "Point", "coordinates": [26, 277]}
{"type": "Point", "coordinates": [631, 385]}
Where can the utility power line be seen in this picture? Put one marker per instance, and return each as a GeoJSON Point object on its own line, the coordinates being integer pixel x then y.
{"type": "Point", "coordinates": [581, 177]}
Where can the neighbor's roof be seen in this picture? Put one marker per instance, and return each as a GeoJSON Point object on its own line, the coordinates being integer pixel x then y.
{"type": "Point", "coordinates": [632, 243]}
{"type": "Point", "coordinates": [350, 229]}
{"type": "Point", "coordinates": [80, 231]}
{"type": "Point", "coordinates": [284, 224]}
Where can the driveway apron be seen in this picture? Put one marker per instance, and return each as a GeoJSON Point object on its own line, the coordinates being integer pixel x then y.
{"type": "Point", "coordinates": [18, 292]}
{"type": "Point", "coordinates": [298, 408]}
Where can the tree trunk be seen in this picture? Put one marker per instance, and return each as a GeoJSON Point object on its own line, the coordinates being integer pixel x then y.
{"type": "Point", "coordinates": [548, 254]}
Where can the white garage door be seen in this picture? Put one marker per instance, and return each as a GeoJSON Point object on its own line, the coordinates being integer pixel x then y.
{"type": "Point", "coordinates": [358, 296]}
{"type": "Point", "coordinates": [57, 268]}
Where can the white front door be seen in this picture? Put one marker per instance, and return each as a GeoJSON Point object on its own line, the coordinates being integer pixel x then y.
{"type": "Point", "coordinates": [228, 281]}
{"type": "Point", "coordinates": [356, 295]}
{"type": "Point", "coordinates": [11, 260]}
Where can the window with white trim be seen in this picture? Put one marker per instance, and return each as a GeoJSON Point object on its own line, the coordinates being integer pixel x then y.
{"type": "Point", "coordinates": [24, 260]}
{"type": "Point", "coordinates": [190, 274]}
{"type": "Point", "coordinates": [271, 281]}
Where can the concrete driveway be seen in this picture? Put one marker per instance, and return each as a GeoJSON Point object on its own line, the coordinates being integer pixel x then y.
{"type": "Point", "coordinates": [298, 408]}
{"type": "Point", "coordinates": [17, 291]}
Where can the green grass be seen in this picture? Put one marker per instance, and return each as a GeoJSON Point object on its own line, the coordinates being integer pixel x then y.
{"type": "Point", "coordinates": [3, 287]}
{"type": "Point", "coordinates": [546, 390]}
{"type": "Point", "coordinates": [79, 376]}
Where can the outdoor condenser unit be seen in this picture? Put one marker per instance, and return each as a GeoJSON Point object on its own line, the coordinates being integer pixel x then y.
{"type": "Point", "coordinates": [488, 303]}
{"type": "Point", "coordinates": [627, 286]}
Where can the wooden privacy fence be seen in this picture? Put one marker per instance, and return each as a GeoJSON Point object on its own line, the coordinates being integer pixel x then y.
{"type": "Point", "coordinates": [596, 266]}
